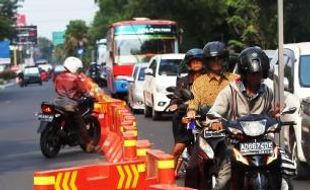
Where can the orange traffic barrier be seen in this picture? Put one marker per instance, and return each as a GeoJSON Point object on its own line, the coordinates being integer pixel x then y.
{"type": "Point", "coordinates": [131, 162]}
{"type": "Point", "coordinates": [130, 146]}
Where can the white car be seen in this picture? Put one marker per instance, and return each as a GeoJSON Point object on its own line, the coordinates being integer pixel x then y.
{"type": "Point", "coordinates": [297, 83]}
{"type": "Point", "coordinates": [160, 74]}
{"type": "Point", "coordinates": [135, 87]}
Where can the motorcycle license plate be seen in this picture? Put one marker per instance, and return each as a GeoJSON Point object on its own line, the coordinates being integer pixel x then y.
{"type": "Point", "coordinates": [44, 117]}
{"type": "Point", "coordinates": [256, 148]}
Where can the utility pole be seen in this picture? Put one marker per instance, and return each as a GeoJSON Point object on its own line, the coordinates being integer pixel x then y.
{"type": "Point", "coordinates": [280, 89]}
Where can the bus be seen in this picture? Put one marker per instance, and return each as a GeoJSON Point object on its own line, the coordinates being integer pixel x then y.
{"type": "Point", "coordinates": [136, 41]}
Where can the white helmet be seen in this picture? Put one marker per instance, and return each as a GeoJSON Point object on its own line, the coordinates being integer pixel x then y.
{"type": "Point", "coordinates": [72, 64]}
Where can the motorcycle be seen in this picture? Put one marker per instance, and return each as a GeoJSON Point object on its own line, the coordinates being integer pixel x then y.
{"type": "Point", "coordinates": [255, 158]}
{"type": "Point", "coordinates": [57, 127]}
{"type": "Point", "coordinates": [184, 96]}
{"type": "Point", "coordinates": [207, 147]}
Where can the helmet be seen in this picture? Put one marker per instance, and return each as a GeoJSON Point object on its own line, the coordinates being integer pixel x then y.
{"type": "Point", "coordinates": [191, 54]}
{"type": "Point", "coordinates": [215, 49]}
{"type": "Point", "coordinates": [253, 59]}
{"type": "Point", "coordinates": [72, 64]}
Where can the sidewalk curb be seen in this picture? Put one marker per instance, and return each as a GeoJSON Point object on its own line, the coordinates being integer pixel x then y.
{"type": "Point", "coordinates": [7, 84]}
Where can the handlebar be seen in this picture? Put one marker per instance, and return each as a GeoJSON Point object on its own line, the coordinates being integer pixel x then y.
{"type": "Point", "coordinates": [288, 123]}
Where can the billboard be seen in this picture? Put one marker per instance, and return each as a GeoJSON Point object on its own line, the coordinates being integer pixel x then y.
{"type": "Point", "coordinates": [25, 35]}
{"type": "Point", "coordinates": [20, 20]}
{"type": "Point", "coordinates": [5, 56]}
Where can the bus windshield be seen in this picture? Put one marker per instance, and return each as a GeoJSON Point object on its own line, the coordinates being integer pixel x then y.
{"type": "Point", "coordinates": [143, 48]}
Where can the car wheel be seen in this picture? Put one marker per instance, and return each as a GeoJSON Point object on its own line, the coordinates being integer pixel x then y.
{"type": "Point", "coordinates": [147, 111]}
{"type": "Point", "coordinates": [302, 168]}
{"type": "Point", "coordinates": [156, 115]}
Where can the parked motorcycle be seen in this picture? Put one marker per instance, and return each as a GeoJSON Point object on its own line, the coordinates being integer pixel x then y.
{"type": "Point", "coordinates": [256, 158]}
{"type": "Point", "coordinates": [57, 128]}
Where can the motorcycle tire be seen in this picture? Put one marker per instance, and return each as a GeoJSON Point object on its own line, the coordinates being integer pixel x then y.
{"type": "Point", "coordinates": [49, 142]}
{"type": "Point", "coordinates": [94, 131]}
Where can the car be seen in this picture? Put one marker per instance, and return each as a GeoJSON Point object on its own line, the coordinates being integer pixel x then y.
{"type": "Point", "coordinates": [135, 87]}
{"type": "Point", "coordinates": [31, 75]}
{"type": "Point", "coordinates": [161, 73]}
{"type": "Point", "coordinates": [297, 84]}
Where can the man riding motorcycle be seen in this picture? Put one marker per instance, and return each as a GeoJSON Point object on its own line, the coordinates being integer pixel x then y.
{"type": "Point", "coordinates": [249, 95]}
{"type": "Point", "coordinates": [205, 89]}
{"type": "Point", "coordinates": [70, 90]}
{"type": "Point", "coordinates": [193, 60]}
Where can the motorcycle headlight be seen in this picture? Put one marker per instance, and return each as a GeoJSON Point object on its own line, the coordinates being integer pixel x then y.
{"type": "Point", "coordinates": [253, 128]}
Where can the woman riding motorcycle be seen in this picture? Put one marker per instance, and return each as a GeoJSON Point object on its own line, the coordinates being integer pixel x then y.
{"type": "Point", "coordinates": [193, 60]}
{"type": "Point", "coordinates": [70, 90]}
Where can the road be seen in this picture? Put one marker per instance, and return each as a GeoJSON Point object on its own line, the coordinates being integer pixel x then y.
{"type": "Point", "coordinates": [20, 154]}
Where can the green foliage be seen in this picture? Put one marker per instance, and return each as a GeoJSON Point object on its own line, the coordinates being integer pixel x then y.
{"type": "Point", "coordinates": [7, 75]}
{"type": "Point", "coordinates": [8, 9]}
{"type": "Point", "coordinates": [239, 23]}
{"type": "Point", "coordinates": [45, 48]}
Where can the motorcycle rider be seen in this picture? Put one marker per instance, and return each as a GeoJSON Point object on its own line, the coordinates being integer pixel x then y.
{"type": "Point", "coordinates": [205, 89]}
{"type": "Point", "coordinates": [193, 61]}
{"type": "Point", "coordinates": [249, 95]}
{"type": "Point", "coordinates": [70, 90]}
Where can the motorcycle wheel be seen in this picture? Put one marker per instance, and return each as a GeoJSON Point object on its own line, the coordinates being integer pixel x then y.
{"type": "Point", "coordinates": [94, 131]}
{"type": "Point", "coordinates": [49, 142]}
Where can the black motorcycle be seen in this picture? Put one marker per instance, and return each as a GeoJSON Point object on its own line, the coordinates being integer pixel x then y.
{"type": "Point", "coordinates": [255, 158]}
{"type": "Point", "coordinates": [58, 129]}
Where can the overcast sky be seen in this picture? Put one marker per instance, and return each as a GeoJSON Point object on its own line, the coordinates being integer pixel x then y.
{"type": "Point", "coordinates": [54, 15]}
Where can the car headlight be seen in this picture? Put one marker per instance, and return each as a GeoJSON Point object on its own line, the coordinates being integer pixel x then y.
{"type": "Point", "coordinates": [253, 128]}
{"type": "Point", "coordinates": [160, 89]}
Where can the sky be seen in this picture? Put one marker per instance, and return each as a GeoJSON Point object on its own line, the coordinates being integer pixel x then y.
{"type": "Point", "coordinates": [53, 15]}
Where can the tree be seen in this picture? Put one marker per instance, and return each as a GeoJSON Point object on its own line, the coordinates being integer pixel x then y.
{"type": "Point", "coordinates": [75, 36]}
{"type": "Point", "coordinates": [239, 23]}
{"type": "Point", "coordinates": [45, 47]}
{"type": "Point", "coordinates": [8, 9]}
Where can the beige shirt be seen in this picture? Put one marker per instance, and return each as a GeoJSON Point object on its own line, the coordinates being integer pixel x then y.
{"type": "Point", "coordinates": [233, 102]}
{"type": "Point", "coordinates": [206, 88]}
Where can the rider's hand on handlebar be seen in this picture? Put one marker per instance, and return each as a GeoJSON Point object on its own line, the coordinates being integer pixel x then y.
{"type": "Point", "coordinates": [191, 114]}
{"type": "Point", "coordinates": [173, 107]}
{"type": "Point", "coordinates": [216, 126]}
{"type": "Point", "coordinates": [276, 111]}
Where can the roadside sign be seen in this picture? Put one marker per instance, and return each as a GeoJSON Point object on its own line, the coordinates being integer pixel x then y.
{"type": "Point", "coordinates": [25, 35]}
{"type": "Point", "coordinates": [58, 38]}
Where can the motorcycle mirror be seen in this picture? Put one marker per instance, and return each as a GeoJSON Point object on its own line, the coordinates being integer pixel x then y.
{"type": "Point", "coordinates": [171, 96]}
{"type": "Point", "coordinates": [288, 110]}
{"type": "Point", "coordinates": [170, 89]}
{"type": "Point", "coordinates": [187, 94]}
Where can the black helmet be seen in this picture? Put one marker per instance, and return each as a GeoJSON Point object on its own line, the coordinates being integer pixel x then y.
{"type": "Point", "coordinates": [191, 54]}
{"type": "Point", "coordinates": [253, 59]}
{"type": "Point", "coordinates": [215, 49]}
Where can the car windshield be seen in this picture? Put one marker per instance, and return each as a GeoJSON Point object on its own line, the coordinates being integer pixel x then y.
{"type": "Point", "coordinates": [304, 70]}
{"type": "Point", "coordinates": [169, 67]}
{"type": "Point", "coordinates": [31, 71]}
{"type": "Point", "coordinates": [141, 74]}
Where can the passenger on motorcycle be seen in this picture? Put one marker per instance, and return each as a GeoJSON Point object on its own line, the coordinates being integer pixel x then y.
{"type": "Point", "coordinates": [70, 90]}
{"type": "Point", "coordinates": [193, 60]}
{"type": "Point", "coordinates": [205, 89]}
{"type": "Point", "coordinates": [249, 95]}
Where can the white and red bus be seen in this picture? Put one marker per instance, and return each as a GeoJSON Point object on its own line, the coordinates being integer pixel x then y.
{"type": "Point", "coordinates": [136, 41]}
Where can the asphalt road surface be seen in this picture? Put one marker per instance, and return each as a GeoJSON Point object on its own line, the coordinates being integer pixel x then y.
{"type": "Point", "coordinates": [20, 153]}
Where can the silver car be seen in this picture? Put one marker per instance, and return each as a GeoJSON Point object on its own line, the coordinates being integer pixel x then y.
{"type": "Point", "coordinates": [135, 88]}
